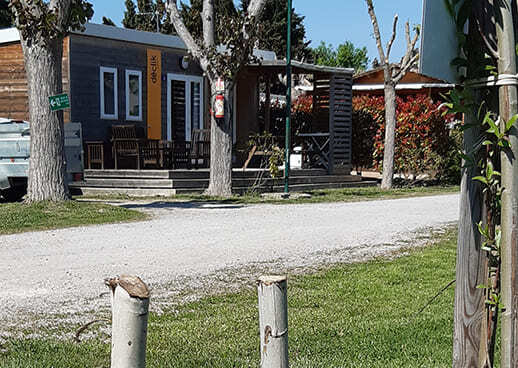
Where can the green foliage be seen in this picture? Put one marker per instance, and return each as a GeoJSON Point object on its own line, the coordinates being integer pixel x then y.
{"type": "Point", "coordinates": [39, 23]}
{"type": "Point", "coordinates": [142, 16]}
{"type": "Point", "coordinates": [273, 34]}
{"type": "Point", "coordinates": [6, 17]}
{"type": "Point", "coordinates": [345, 56]}
{"type": "Point", "coordinates": [424, 144]}
{"type": "Point", "coordinates": [20, 217]}
{"type": "Point", "coordinates": [108, 22]}
{"type": "Point", "coordinates": [273, 154]}
{"type": "Point", "coordinates": [191, 16]}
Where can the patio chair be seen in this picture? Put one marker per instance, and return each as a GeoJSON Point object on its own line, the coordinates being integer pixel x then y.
{"type": "Point", "coordinates": [126, 145]}
{"type": "Point", "coordinates": [199, 148]}
{"type": "Point", "coordinates": [150, 153]}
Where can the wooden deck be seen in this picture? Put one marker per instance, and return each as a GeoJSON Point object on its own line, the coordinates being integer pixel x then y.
{"type": "Point", "coordinates": [173, 182]}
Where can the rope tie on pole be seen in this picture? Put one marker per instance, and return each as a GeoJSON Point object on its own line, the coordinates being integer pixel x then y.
{"type": "Point", "coordinates": [494, 81]}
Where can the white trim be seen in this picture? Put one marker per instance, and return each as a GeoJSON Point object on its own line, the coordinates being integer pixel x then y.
{"type": "Point", "coordinates": [115, 115]}
{"type": "Point", "coordinates": [414, 86]}
{"type": "Point", "coordinates": [9, 35]}
{"type": "Point", "coordinates": [137, 73]}
{"type": "Point", "coordinates": [187, 79]}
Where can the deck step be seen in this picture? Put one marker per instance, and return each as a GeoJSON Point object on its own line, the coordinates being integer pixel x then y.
{"type": "Point", "coordinates": [128, 183]}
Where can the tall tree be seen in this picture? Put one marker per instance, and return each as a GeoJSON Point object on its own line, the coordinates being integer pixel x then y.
{"type": "Point", "coordinates": [145, 14]}
{"type": "Point", "coordinates": [108, 22]}
{"type": "Point", "coordinates": [346, 55]}
{"type": "Point", "coordinates": [43, 26]}
{"type": "Point", "coordinates": [130, 15]}
{"type": "Point", "coordinates": [237, 36]}
{"type": "Point", "coordinates": [223, 9]}
{"type": "Point", "coordinates": [6, 17]}
{"type": "Point", "coordinates": [393, 73]}
{"type": "Point", "coordinates": [273, 34]}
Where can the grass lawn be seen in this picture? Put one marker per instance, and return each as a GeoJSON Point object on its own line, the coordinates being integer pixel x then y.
{"type": "Point", "coordinates": [317, 196]}
{"type": "Point", "coordinates": [347, 316]}
{"type": "Point", "coordinates": [19, 217]}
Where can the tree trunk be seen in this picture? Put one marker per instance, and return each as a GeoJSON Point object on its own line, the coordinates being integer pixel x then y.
{"type": "Point", "coordinates": [390, 133]}
{"type": "Point", "coordinates": [469, 343]}
{"type": "Point", "coordinates": [220, 183]}
{"type": "Point", "coordinates": [508, 97]}
{"type": "Point", "coordinates": [43, 63]}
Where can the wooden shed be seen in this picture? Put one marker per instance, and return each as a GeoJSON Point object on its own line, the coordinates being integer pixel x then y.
{"type": "Point", "coordinates": [331, 93]}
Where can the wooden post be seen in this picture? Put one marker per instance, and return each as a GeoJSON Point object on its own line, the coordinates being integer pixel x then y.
{"type": "Point", "coordinates": [130, 305]}
{"type": "Point", "coordinates": [508, 96]}
{"type": "Point", "coordinates": [469, 342]}
{"type": "Point", "coordinates": [273, 321]}
{"type": "Point", "coordinates": [267, 104]}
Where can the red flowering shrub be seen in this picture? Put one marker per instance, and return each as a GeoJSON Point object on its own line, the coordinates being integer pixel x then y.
{"type": "Point", "coordinates": [301, 115]}
{"type": "Point", "coordinates": [423, 140]}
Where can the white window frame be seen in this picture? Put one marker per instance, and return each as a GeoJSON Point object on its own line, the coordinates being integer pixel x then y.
{"type": "Point", "coordinates": [137, 73]}
{"type": "Point", "coordinates": [103, 70]}
{"type": "Point", "coordinates": [188, 108]}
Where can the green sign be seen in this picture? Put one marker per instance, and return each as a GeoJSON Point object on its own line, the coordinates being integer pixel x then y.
{"type": "Point", "coordinates": [59, 102]}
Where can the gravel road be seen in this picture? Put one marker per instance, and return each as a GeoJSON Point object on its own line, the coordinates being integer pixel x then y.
{"type": "Point", "coordinates": [193, 247]}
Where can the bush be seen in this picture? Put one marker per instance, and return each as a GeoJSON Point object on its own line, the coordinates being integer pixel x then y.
{"type": "Point", "coordinates": [301, 116]}
{"type": "Point", "coordinates": [424, 144]}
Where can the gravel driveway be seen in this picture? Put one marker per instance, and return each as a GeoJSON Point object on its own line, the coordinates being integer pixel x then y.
{"type": "Point", "coordinates": [197, 247]}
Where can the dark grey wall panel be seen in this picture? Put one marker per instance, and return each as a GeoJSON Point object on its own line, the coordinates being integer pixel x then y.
{"type": "Point", "coordinates": [88, 54]}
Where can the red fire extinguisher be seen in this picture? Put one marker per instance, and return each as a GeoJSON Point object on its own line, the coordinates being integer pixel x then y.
{"type": "Point", "coordinates": [219, 107]}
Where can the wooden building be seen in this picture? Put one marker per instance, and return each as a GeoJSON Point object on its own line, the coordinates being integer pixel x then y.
{"type": "Point", "coordinates": [413, 83]}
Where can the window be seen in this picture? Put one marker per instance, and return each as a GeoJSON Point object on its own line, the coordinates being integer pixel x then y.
{"type": "Point", "coordinates": [133, 95]}
{"type": "Point", "coordinates": [184, 106]}
{"type": "Point", "coordinates": [109, 104]}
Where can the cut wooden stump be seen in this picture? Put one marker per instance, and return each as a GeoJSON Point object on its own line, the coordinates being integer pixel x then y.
{"type": "Point", "coordinates": [273, 321]}
{"type": "Point", "coordinates": [130, 308]}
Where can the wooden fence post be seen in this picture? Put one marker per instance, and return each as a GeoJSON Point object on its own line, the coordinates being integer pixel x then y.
{"type": "Point", "coordinates": [130, 306]}
{"type": "Point", "coordinates": [273, 321]}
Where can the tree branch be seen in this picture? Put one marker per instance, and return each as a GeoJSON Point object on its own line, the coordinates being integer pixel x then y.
{"type": "Point", "coordinates": [392, 38]}
{"type": "Point", "coordinates": [208, 22]}
{"type": "Point", "coordinates": [409, 60]}
{"type": "Point", "coordinates": [255, 7]}
{"type": "Point", "coordinates": [494, 52]}
{"type": "Point", "coordinates": [377, 36]}
{"type": "Point", "coordinates": [62, 10]}
{"type": "Point", "coordinates": [410, 46]}
{"type": "Point", "coordinates": [186, 36]}
{"type": "Point", "coordinates": [406, 68]}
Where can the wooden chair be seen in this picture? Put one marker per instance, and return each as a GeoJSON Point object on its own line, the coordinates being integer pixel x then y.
{"type": "Point", "coordinates": [199, 148]}
{"type": "Point", "coordinates": [95, 154]}
{"type": "Point", "coordinates": [150, 153]}
{"type": "Point", "coordinates": [126, 144]}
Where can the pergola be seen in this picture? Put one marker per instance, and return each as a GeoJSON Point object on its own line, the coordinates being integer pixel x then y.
{"type": "Point", "coordinates": [332, 107]}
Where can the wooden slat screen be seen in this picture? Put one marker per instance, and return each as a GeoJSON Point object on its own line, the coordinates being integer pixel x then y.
{"type": "Point", "coordinates": [340, 122]}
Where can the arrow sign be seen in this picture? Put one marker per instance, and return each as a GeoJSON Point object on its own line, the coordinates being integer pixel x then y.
{"type": "Point", "coordinates": [59, 102]}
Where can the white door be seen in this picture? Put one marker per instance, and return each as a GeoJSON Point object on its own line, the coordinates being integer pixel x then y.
{"type": "Point", "coordinates": [184, 106]}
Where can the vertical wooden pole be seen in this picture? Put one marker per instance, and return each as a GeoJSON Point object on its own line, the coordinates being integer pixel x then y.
{"type": "Point", "coordinates": [508, 97]}
{"type": "Point", "coordinates": [468, 338]}
{"type": "Point", "coordinates": [267, 103]}
{"type": "Point", "coordinates": [273, 321]}
{"type": "Point", "coordinates": [130, 306]}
